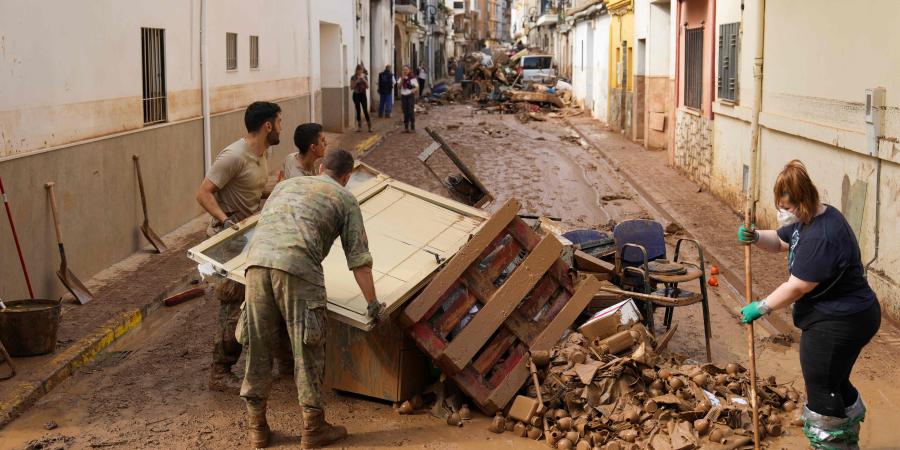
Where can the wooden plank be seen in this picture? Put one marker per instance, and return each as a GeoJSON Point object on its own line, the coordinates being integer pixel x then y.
{"type": "Point", "coordinates": [538, 297]}
{"type": "Point", "coordinates": [427, 340]}
{"type": "Point", "coordinates": [493, 351]}
{"type": "Point", "coordinates": [451, 317]}
{"type": "Point", "coordinates": [528, 238]}
{"type": "Point", "coordinates": [502, 303]}
{"type": "Point", "coordinates": [588, 263]}
{"type": "Point", "coordinates": [458, 162]}
{"type": "Point", "coordinates": [583, 294]}
{"type": "Point", "coordinates": [432, 293]}
{"type": "Point", "coordinates": [501, 396]}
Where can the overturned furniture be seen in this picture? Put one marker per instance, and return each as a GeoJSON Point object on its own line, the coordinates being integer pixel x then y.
{"type": "Point", "coordinates": [504, 294]}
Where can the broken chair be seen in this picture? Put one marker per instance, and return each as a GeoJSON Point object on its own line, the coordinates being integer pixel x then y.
{"type": "Point", "coordinates": [641, 266]}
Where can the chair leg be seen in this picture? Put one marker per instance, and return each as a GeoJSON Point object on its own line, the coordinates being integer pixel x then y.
{"type": "Point", "coordinates": [649, 317]}
{"type": "Point", "coordinates": [667, 320]}
{"type": "Point", "coordinates": [707, 328]}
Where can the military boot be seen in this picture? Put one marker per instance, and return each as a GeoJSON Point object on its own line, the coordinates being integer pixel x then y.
{"type": "Point", "coordinates": [256, 423]}
{"type": "Point", "coordinates": [221, 379]}
{"type": "Point", "coordinates": [317, 432]}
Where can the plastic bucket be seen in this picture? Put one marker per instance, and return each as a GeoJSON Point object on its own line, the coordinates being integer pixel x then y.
{"type": "Point", "coordinates": [28, 327]}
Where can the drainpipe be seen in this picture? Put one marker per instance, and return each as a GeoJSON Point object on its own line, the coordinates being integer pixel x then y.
{"type": "Point", "coordinates": [309, 53]}
{"type": "Point", "coordinates": [676, 96]}
{"type": "Point", "coordinates": [204, 88]}
{"type": "Point", "coordinates": [755, 160]}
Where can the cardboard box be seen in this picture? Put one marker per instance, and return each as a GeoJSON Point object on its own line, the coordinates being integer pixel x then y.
{"type": "Point", "coordinates": [611, 320]}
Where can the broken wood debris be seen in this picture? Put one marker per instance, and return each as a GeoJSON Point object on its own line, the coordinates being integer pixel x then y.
{"type": "Point", "coordinates": [637, 399]}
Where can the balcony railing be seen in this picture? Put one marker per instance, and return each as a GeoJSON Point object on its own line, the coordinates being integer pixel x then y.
{"type": "Point", "coordinates": [405, 7]}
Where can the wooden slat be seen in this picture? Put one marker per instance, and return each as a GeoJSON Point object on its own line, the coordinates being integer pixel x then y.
{"type": "Point", "coordinates": [502, 303]}
{"type": "Point", "coordinates": [451, 317]}
{"type": "Point", "coordinates": [493, 351]}
{"type": "Point", "coordinates": [511, 384]}
{"type": "Point", "coordinates": [427, 340]}
{"type": "Point", "coordinates": [583, 294]}
{"type": "Point", "coordinates": [528, 238]}
{"type": "Point", "coordinates": [432, 293]}
{"type": "Point", "coordinates": [539, 296]}
{"type": "Point", "coordinates": [588, 263]}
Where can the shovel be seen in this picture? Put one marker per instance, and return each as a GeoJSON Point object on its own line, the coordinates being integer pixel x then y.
{"type": "Point", "coordinates": [151, 235]}
{"type": "Point", "coordinates": [69, 280]}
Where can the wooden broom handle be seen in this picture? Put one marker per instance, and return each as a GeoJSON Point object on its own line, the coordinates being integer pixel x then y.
{"type": "Point", "coordinates": [49, 186]}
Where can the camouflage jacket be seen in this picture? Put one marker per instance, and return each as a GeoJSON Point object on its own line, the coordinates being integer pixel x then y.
{"type": "Point", "coordinates": [299, 224]}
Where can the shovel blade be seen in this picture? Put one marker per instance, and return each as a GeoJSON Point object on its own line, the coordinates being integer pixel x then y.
{"type": "Point", "coordinates": [75, 286]}
{"type": "Point", "coordinates": [154, 238]}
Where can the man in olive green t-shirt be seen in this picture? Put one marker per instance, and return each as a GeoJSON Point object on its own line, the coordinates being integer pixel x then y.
{"type": "Point", "coordinates": [232, 191]}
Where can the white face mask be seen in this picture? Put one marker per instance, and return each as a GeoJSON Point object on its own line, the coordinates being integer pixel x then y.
{"type": "Point", "coordinates": [786, 218]}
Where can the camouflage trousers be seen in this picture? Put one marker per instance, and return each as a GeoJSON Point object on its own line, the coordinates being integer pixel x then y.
{"type": "Point", "coordinates": [226, 349]}
{"type": "Point", "coordinates": [275, 297]}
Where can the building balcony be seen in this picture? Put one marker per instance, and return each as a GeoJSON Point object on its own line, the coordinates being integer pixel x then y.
{"type": "Point", "coordinates": [405, 7]}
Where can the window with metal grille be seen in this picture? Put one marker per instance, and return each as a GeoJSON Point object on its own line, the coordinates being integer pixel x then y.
{"type": "Point", "coordinates": [693, 67]}
{"type": "Point", "coordinates": [726, 82]}
{"type": "Point", "coordinates": [153, 67]}
{"type": "Point", "coordinates": [231, 51]}
{"type": "Point", "coordinates": [254, 52]}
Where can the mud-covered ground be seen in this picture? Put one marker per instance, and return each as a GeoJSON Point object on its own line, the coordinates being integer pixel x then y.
{"type": "Point", "coordinates": [149, 389]}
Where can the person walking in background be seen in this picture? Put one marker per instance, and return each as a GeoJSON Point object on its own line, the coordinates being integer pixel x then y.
{"type": "Point", "coordinates": [408, 87]}
{"type": "Point", "coordinates": [423, 79]}
{"type": "Point", "coordinates": [386, 82]}
{"type": "Point", "coordinates": [359, 84]}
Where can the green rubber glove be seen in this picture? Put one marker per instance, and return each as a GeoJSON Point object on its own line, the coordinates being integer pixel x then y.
{"type": "Point", "coordinates": [747, 236]}
{"type": "Point", "coordinates": [753, 311]}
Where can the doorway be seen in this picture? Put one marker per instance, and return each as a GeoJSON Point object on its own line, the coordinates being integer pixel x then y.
{"type": "Point", "coordinates": [331, 76]}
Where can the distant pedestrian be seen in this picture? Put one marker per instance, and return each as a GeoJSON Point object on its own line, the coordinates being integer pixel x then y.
{"type": "Point", "coordinates": [423, 79]}
{"type": "Point", "coordinates": [359, 84]}
{"type": "Point", "coordinates": [386, 82]}
{"type": "Point", "coordinates": [408, 87]}
{"type": "Point", "coordinates": [460, 73]}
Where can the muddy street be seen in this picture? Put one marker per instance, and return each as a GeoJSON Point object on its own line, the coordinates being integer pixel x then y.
{"type": "Point", "coordinates": [148, 390]}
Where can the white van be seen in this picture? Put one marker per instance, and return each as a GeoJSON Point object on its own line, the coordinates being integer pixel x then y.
{"type": "Point", "coordinates": [536, 67]}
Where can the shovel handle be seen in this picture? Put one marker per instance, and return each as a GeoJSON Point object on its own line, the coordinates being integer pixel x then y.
{"type": "Point", "coordinates": [137, 167]}
{"type": "Point", "coordinates": [49, 186]}
{"type": "Point", "coordinates": [751, 347]}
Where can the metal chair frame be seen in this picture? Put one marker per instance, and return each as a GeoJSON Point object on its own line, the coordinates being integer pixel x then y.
{"type": "Point", "coordinates": [671, 300]}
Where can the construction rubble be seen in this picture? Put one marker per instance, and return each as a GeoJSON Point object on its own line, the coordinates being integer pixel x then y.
{"type": "Point", "coordinates": [495, 84]}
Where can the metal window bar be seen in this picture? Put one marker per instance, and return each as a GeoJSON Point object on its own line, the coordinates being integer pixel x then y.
{"type": "Point", "coordinates": [727, 80]}
{"type": "Point", "coordinates": [230, 51]}
{"type": "Point", "coordinates": [693, 67]}
{"type": "Point", "coordinates": [153, 75]}
{"type": "Point", "coordinates": [254, 52]}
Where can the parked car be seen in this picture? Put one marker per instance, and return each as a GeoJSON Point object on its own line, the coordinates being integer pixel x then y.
{"type": "Point", "coordinates": [536, 67]}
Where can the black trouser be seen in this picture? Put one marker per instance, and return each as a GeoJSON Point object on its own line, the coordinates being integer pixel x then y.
{"type": "Point", "coordinates": [359, 101]}
{"type": "Point", "coordinates": [408, 102]}
{"type": "Point", "coordinates": [829, 347]}
{"type": "Point", "coordinates": [421, 87]}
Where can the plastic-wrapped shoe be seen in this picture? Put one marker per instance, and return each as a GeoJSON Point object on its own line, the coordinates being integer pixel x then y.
{"type": "Point", "coordinates": [831, 433]}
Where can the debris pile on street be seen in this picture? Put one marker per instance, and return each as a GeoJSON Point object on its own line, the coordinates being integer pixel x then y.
{"type": "Point", "coordinates": [620, 393]}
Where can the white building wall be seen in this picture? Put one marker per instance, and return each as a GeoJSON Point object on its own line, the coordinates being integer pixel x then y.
{"type": "Point", "coordinates": [601, 66]}
{"type": "Point", "coordinates": [78, 75]}
{"type": "Point", "coordinates": [590, 73]}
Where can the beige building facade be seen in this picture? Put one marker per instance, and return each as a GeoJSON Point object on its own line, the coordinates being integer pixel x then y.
{"type": "Point", "coordinates": [816, 73]}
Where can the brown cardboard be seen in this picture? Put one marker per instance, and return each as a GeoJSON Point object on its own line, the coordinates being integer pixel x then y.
{"type": "Point", "coordinates": [523, 408]}
{"type": "Point", "coordinates": [611, 320]}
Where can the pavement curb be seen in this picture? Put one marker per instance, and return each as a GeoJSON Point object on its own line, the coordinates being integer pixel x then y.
{"type": "Point", "coordinates": [368, 144]}
{"type": "Point", "coordinates": [81, 353]}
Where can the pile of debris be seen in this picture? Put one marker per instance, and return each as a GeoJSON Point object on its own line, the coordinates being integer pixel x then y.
{"type": "Point", "coordinates": [619, 393]}
{"type": "Point", "coordinates": [495, 83]}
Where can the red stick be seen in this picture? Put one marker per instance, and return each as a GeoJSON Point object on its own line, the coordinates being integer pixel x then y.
{"type": "Point", "coordinates": [12, 226]}
{"type": "Point", "coordinates": [183, 296]}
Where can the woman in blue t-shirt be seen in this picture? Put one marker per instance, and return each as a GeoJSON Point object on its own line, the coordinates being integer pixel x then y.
{"type": "Point", "coordinates": [832, 304]}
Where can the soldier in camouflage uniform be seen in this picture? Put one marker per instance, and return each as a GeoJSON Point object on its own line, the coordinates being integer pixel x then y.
{"type": "Point", "coordinates": [286, 284]}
